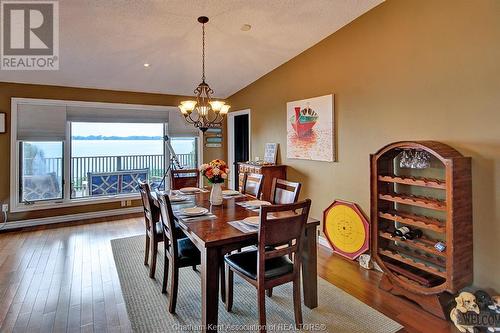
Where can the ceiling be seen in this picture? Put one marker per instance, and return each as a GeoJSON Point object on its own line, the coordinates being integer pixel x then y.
{"type": "Point", "coordinates": [104, 43]}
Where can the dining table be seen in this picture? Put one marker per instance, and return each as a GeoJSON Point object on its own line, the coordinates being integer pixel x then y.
{"type": "Point", "coordinates": [214, 236]}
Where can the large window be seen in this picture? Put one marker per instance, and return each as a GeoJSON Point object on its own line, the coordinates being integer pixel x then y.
{"type": "Point", "coordinates": [67, 153]}
{"type": "Point", "coordinates": [109, 158]}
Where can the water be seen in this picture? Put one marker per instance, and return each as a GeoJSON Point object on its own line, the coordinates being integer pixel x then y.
{"type": "Point", "coordinates": [81, 148]}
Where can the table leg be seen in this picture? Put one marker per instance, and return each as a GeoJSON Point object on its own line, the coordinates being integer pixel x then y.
{"type": "Point", "coordinates": [310, 268]}
{"type": "Point", "coordinates": [209, 289]}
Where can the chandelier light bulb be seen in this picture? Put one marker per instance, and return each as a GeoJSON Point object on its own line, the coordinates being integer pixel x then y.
{"type": "Point", "coordinates": [224, 109]}
{"type": "Point", "coordinates": [216, 105]}
{"type": "Point", "coordinates": [188, 105]}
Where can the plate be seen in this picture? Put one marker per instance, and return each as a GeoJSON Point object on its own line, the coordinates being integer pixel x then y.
{"type": "Point", "coordinates": [177, 198]}
{"type": "Point", "coordinates": [189, 190]}
{"type": "Point", "coordinates": [230, 192]}
{"type": "Point", "coordinates": [257, 203]}
{"type": "Point", "coordinates": [252, 220]}
{"type": "Point", "coordinates": [194, 211]}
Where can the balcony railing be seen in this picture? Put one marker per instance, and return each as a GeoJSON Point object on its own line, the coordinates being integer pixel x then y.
{"type": "Point", "coordinates": [80, 166]}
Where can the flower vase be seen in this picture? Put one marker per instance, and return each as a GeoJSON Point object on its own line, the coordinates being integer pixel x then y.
{"type": "Point", "coordinates": [216, 194]}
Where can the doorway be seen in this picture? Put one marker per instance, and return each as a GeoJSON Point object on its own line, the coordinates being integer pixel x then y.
{"type": "Point", "coordinates": [239, 138]}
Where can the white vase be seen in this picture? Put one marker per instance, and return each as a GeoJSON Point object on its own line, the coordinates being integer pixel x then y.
{"type": "Point", "coordinates": [216, 194]}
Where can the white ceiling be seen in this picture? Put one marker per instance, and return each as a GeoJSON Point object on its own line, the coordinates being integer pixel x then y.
{"type": "Point", "coordinates": [104, 43]}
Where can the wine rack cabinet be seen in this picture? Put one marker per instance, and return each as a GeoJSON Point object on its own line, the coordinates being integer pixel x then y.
{"type": "Point", "coordinates": [436, 200]}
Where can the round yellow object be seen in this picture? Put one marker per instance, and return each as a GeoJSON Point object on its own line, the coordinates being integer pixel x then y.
{"type": "Point", "coordinates": [345, 229]}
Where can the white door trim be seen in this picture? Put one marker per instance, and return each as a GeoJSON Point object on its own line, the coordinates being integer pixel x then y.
{"type": "Point", "coordinates": [230, 140]}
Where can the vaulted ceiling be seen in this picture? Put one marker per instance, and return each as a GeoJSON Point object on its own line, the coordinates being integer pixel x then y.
{"type": "Point", "coordinates": [105, 43]}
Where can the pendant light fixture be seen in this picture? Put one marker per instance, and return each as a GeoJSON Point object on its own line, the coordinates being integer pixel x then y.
{"type": "Point", "coordinates": [204, 113]}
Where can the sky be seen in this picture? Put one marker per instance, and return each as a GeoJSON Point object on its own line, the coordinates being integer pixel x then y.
{"type": "Point", "coordinates": [116, 129]}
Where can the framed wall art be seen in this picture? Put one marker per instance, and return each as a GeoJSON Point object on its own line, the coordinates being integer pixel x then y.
{"type": "Point", "coordinates": [310, 129]}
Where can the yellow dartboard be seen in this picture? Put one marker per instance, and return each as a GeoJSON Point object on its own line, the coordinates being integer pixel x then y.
{"type": "Point", "coordinates": [346, 229]}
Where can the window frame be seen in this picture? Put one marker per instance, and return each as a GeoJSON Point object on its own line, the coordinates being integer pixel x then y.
{"type": "Point", "coordinates": [66, 201]}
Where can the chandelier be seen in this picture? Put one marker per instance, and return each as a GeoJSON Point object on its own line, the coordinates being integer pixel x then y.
{"type": "Point", "coordinates": [204, 113]}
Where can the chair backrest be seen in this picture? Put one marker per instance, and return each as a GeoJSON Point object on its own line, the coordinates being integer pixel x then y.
{"type": "Point", "coordinates": [168, 221]}
{"type": "Point", "coordinates": [150, 213]}
{"type": "Point", "coordinates": [184, 178]}
{"type": "Point", "coordinates": [253, 184]}
{"type": "Point", "coordinates": [284, 192]}
{"type": "Point", "coordinates": [281, 225]}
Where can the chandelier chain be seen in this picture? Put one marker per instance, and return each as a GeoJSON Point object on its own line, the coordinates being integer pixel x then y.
{"type": "Point", "coordinates": [203, 53]}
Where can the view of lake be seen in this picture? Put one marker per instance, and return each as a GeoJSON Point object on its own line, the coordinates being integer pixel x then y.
{"type": "Point", "coordinates": [82, 148]}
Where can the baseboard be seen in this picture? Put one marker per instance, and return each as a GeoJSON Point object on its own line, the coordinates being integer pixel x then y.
{"type": "Point", "coordinates": [69, 218]}
{"type": "Point", "coordinates": [322, 241]}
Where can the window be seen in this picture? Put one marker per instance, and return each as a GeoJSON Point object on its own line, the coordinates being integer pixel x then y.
{"type": "Point", "coordinates": [66, 153]}
{"type": "Point", "coordinates": [41, 171]}
{"type": "Point", "coordinates": [109, 158]}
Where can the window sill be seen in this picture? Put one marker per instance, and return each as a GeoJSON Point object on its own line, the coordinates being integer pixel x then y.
{"type": "Point", "coordinates": [73, 203]}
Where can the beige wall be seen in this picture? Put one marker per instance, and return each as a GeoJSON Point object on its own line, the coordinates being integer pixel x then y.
{"type": "Point", "coordinates": [8, 90]}
{"type": "Point", "coordinates": [406, 70]}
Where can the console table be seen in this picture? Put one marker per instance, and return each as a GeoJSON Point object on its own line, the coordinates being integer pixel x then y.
{"type": "Point", "coordinates": [269, 172]}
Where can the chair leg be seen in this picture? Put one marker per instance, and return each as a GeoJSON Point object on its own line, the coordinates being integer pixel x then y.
{"type": "Point", "coordinates": [165, 274]}
{"type": "Point", "coordinates": [269, 292]}
{"type": "Point", "coordinates": [194, 268]}
{"type": "Point", "coordinates": [297, 305]}
{"type": "Point", "coordinates": [153, 252]}
{"type": "Point", "coordinates": [222, 275]}
{"type": "Point", "coordinates": [229, 288]}
{"type": "Point", "coordinates": [173, 288]}
{"type": "Point", "coordinates": [146, 252]}
{"type": "Point", "coordinates": [261, 298]}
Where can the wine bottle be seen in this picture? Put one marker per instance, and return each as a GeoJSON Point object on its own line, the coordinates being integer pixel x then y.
{"type": "Point", "coordinates": [413, 234]}
{"type": "Point", "coordinates": [400, 232]}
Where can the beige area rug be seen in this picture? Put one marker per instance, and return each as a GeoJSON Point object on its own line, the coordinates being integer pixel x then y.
{"type": "Point", "coordinates": [337, 312]}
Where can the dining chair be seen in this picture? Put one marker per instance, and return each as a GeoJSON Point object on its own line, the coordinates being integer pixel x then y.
{"type": "Point", "coordinates": [269, 266]}
{"type": "Point", "coordinates": [284, 192]}
{"type": "Point", "coordinates": [179, 252]}
{"type": "Point", "coordinates": [154, 232]}
{"type": "Point", "coordinates": [252, 184]}
{"type": "Point", "coordinates": [184, 178]}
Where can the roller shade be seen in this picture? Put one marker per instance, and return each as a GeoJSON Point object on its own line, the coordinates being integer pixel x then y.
{"type": "Point", "coordinates": [41, 122]}
{"type": "Point", "coordinates": [177, 125]}
{"type": "Point", "coordinates": [112, 115]}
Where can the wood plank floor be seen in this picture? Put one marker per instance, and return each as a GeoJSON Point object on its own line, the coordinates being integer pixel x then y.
{"type": "Point", "coordinates": [64, 280]}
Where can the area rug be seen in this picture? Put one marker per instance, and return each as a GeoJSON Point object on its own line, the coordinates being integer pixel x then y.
{"type": "Point", "coordinates": [337, 312]}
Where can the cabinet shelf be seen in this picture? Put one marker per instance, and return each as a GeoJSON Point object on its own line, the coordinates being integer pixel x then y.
{"type": "Point", "coordinates": [423, 244]}
{"type": "Point", "coordinates": [413, 263]}
{"type": "Point", "coordinates": [417, 181]}
{"type": "Point", "coordinates": [402, 248]}
{"type": "Point", "coordinates": [414, 200]}
{"type": "Point", "coordinates": [418, 221]}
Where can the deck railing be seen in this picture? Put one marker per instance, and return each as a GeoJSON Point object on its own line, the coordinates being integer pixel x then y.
{"type": "Point", "coordinates": [80, 166]}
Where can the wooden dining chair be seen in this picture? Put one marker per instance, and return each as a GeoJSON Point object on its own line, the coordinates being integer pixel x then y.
{"type": "Point", "coordinates": [284, 192]}
{"type": "Point", "coordinates": [269, 266]}
{"type": "Point", "coordinates": [154, 230]}
{"type": "Point", "coordinates": [179, 252]}
{"type": "Point", "coordinates": [252, 184]}
{"type": "Point", "coordinates": [184, 178]}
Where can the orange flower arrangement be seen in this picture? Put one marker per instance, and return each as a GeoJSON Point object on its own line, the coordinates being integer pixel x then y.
{"type": "Point", "coordinates": [215, 172]}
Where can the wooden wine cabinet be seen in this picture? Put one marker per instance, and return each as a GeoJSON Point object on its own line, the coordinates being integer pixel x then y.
{"type": "Point", "coordinates": [436, 200]}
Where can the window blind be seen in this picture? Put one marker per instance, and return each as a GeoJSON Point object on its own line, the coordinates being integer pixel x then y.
{"type": "Point", "coordinates": [41, 122]}
{"type": "Point", "coordinates": [115, 115]}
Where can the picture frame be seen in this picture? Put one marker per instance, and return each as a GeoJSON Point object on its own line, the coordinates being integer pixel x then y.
{"type": "Point", "coordinates": [2, 122]}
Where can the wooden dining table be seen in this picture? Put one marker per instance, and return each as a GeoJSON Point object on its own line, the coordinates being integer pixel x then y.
{"type": "Point", "coordinates": [215, 237]}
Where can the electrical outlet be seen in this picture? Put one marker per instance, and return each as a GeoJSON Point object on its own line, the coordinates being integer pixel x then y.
{"type": "Point", "coordinates": [5, 208]}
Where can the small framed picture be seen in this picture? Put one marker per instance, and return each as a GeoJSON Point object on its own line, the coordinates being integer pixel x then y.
{"type": "Point", "coordinates": [2, 122]}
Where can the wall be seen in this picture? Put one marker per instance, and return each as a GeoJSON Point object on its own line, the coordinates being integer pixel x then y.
{"type": "Point", "coordinates": [9, 90]}
{"type": "Point", "coordinates": [406, 70]}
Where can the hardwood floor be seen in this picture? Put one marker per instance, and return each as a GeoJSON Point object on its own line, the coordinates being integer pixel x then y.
{"type": "Point", "coordinates": [64, 280]}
